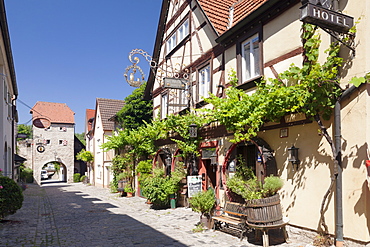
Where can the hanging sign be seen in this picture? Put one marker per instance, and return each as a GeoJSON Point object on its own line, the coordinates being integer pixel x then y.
{"type": "Point", "coordinates": [41, 123]}
{"type": "Point", "coordinates": [194, 185]}
{"type": "Point", "coordinates": [326, 18]}
{"type": "Point", "coordinates": [174, 83]}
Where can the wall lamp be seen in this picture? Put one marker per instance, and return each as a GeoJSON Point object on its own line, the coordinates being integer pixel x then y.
{"type": "Point", "coordinates": [293, 156]}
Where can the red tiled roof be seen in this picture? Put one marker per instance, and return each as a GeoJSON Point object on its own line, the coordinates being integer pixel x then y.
{"type": "Point", "coordinates": [218, 12]}
{"type": "Point", "coordinates": [108, 108]}
{"type": "Point", "coordinates": [55, 112]}
{"type": "Point", "coordinates": [90, 113]}
{"type": "Point", "coordinates": [244, 8]}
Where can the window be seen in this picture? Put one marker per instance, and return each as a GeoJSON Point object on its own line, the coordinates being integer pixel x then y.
{"type": "Point", "coordinates": [64, 129]}
{"type": "Point", "coordinates": [164, 106]}
{"type": "Point", "coordinates": [63, 142]}
{"type": "Point", "coordinates": [250, 58]}
{"type": "Point", "coordinates": [204, 82]}
{"type": "Point", "coordinates": [179, 35]}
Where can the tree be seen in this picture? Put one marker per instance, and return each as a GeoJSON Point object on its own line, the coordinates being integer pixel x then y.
{"type": "Point", "coordinates": [25, 129]}
{"type": "Point", "coordinates": [84, 155]}
{"type": "Point", "coordinates": [136, 111]}
{"type": "Point", "coordinates": [81, 137]}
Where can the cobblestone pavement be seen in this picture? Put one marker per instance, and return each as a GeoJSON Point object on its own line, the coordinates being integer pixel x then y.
{"type": "Point", "coordinates": [60, 214]}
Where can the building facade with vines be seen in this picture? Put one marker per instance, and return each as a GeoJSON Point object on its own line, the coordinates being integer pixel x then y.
{"type": "Point", "coordinates": [203, 48]}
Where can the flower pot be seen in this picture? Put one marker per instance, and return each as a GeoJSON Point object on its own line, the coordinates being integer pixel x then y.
{"type": "Point", "coordinates": [129, 194]}
{"type": "Point", "coordinates": [172, 201]}
{"type": "Point", "coordinates": [206, 221]}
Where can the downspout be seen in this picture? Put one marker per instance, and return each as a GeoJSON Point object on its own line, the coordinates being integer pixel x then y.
{"type": "Point", "coordinates": [338, 170]}
{"type": "Point", "coordinates": [13, 135]}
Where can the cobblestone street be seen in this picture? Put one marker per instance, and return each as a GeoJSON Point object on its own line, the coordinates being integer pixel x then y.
{"type": "Point", "coordinates": [60, 214]}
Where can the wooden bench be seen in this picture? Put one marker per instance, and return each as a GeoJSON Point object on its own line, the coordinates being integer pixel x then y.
{"type": "Point", "coordinates": [233, 215]}
{"type": "Point", "coordinates": [121, 187]}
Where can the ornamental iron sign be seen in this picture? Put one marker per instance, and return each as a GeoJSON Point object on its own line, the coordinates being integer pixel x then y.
{"type": "Point", "coordinates": [326, 18]}
{"type": "Point", "coordinates": [174, 83]}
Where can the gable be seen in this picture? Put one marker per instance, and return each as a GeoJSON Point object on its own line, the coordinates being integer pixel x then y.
{"type": "Point", "coordinates": [107, 108]}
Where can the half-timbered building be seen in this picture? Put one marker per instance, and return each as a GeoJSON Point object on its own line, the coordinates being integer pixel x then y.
{"type": "Point", "coordinates": [200, 43]}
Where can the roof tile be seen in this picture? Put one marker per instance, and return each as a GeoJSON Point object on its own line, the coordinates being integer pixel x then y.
{"type": "Point", "coordinates": [219, 15]}
{"type": "Point", "coordinates": [108, 108]}
{"type": "Point", "coordinates": [55, 112]}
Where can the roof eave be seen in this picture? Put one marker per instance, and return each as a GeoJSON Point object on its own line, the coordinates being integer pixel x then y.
{"type": "Point", "coordinates": [157, 49]}
{"type": "Point", "coordinates": [229, 34]}
{"type": "Point", "coordinates": [8, 49]}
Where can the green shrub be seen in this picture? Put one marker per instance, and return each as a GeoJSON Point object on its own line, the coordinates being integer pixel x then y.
{"type": "Point", "coordinates": [144, 169]}
{"type": "Point", "coordinates": [11, 197]}
{"type": "Point", "coordinates": [26, 174]}
{"type": "Point", "coordinates": [82, 178]}
{"type": "Point", "coordinates": [248, 189]}
{"type": "Point", "coordinates": [252, 189]}
{"type": "Point", "coordinates": [272, 185]}
{"type": "Point", "coordinates": [157, 187]}
{"type": "Point", "coordinates": [76, 177]}
{"type": "Point", "coordinates": [203, 202]}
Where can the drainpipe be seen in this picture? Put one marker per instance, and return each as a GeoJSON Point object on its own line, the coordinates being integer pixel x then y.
{"type": "Point", "coordinates": [13, 136]}
{"type": "Point", "coordinates": [339, 168]}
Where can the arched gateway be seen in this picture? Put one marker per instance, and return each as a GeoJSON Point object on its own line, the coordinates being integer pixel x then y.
{"type": "Point", "coordinates": [53, 138]}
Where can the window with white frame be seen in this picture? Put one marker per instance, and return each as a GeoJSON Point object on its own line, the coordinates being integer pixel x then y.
{"type": "Point", "coordinates": [204, 82]}
{"type": "Point", "coordinates": [250, 58]}
{"type": "Point", "coordinates": [164, 106]}
{"type": "Point", "coordinates": [178, 36]}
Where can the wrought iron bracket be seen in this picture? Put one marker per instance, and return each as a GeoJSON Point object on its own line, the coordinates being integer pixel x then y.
{"type": "Point", "coordinates": [350, 44]}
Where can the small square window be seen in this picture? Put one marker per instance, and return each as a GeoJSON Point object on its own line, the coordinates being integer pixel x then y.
{"type": "Point", "coordinates": [63, 142]}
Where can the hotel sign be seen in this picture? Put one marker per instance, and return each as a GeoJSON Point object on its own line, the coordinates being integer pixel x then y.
{"type": "Point", "coordinates": [326, 18]}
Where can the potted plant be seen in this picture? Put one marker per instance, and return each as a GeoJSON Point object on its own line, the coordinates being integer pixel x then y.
{"type": "Point", "coordinates": [129, 190]}
{"type": "Point", "coordinates": [258, 197]}
{"type": "Point", "coordinates": [204, 202]}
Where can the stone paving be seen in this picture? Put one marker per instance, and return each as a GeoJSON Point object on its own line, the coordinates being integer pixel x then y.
{"type": "Point", "coordinates": [60, 214]}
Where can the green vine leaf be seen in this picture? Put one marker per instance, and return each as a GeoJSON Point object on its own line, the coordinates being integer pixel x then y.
{"type": "Point", "coordinates": [357, 81]}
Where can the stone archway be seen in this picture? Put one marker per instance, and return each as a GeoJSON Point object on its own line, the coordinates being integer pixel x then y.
{"type": "Point", "coordinates": [57, 172]}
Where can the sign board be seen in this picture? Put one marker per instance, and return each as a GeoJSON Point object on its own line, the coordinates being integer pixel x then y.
{"type": "Point", "coordinates": [326, 18]}
{"type": "Point", "coordinates": [194, 185]}
{"type": "Point", "coordinates": [174, 83]}
{"type": "Point", "coordinates": [21, 135]}
{"type": "Point", "coordinates": [41, 123]}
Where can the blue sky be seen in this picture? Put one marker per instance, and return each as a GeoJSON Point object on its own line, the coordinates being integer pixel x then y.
{"type": "Point", "coordinates": [74, 51]}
